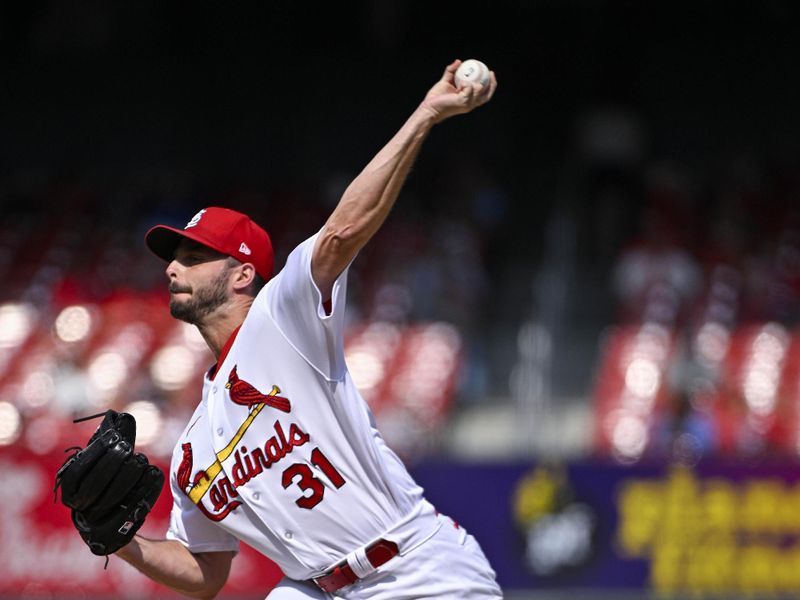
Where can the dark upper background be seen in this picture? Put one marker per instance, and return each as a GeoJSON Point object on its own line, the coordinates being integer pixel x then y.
{"type": "Point", "coordinates": [292, 90]}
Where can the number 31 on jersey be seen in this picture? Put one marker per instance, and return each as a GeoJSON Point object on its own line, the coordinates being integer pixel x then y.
{"type": "Point", "coordinates": [303, 475]}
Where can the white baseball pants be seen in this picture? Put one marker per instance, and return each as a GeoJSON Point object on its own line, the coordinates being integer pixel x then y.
{"type": "Point", "coordinates": [449, 565]}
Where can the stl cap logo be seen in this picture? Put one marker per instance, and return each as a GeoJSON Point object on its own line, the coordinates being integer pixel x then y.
{"type": "Point", "coordinates": [244, 249]}
{"type": "Point", "coordinates": [195, 219]}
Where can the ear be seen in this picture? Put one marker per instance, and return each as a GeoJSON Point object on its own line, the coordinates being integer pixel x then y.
{"type": "Point", "coordinates": [243, 276]}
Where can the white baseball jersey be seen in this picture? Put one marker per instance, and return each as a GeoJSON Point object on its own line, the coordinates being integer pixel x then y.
{"type": "Point", "coordinates": [282, 452]}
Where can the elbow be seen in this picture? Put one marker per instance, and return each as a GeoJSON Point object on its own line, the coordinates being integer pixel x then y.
{"type": "Point", "coordinates": [208, 591]}
{"type": "Point", "coordinates": [334, 250]}
{"type": "Point", "coordinates": [205, 590]}
{"type": "Point", "coordinates": [339, 237]}
{"type": "Point", "coordinates": [338, 245]}
{"type": "Point", "coordinates": [214, 568]}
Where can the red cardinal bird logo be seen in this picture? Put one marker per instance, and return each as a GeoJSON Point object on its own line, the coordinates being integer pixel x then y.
{"type": "Point", "coordinates": [185, 468]}
{"type": "Point", "coordinates": [245, 394]}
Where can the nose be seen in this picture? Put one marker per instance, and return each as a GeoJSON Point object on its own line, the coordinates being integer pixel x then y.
{"type": "Point", "coordinates": [172, 269]}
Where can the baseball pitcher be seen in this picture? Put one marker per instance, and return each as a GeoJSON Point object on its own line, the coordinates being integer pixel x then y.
{"type": "Point", "coordinates": [282, 452]}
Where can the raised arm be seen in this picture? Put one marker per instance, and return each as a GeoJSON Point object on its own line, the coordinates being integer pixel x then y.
{"type": "Point", "coordinates": [171, 564]}
{"type": "Point", "coordinates": [369, 198]}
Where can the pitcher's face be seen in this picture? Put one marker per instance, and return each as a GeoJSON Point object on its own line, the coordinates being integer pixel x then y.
{"type": "Point", "coordinates": [198, 282]}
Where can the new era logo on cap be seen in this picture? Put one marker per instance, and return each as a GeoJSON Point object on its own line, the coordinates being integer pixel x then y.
{"type": "Point", "coordinates": [227, 231]}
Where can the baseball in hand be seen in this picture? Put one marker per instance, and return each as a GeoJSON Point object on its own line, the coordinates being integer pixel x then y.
{"type": "Point", "coordinates": [471, 71]}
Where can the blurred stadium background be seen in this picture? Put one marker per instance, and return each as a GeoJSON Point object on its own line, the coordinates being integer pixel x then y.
{"type": "Point", "coordinates": [579, 326]}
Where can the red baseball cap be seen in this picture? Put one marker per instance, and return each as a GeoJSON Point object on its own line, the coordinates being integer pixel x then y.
{"type": "Point", "coordinates": [222, 229]}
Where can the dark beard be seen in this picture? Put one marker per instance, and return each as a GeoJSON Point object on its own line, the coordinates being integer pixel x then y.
{"type": "Point", "coordinates": [202, 303]}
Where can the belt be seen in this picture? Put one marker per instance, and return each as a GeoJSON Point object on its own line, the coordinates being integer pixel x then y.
{"type": "Point", "coordinates": [378, 553]}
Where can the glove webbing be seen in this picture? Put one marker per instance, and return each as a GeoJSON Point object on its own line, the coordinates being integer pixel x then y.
{"type": "Point", "coordinates": [75, 449]}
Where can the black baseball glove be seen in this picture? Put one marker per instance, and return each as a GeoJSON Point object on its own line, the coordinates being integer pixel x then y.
{"type": "Point", "coordinates": [109, 488]}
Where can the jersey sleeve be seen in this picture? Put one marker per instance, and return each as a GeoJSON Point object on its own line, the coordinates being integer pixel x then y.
{"type": "Point", "coordinates": [193, 529]}
{"type": "Point", "coordinates": [294, 302]}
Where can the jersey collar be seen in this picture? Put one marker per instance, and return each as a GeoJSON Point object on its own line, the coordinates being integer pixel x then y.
{"type": "Point", "coordinates": [212, 372]}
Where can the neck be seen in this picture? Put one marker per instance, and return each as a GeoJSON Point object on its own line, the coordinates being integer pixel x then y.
{"type": "Point", "coordinates": [217, 327]}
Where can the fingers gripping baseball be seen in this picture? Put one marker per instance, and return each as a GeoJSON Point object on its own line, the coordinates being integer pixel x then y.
{"type": "Point", "coordinates": [451, 96]}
